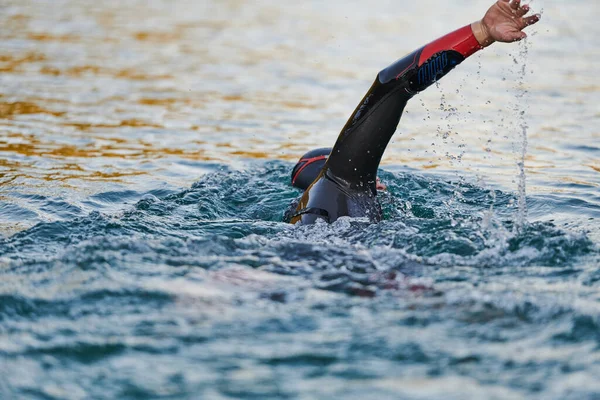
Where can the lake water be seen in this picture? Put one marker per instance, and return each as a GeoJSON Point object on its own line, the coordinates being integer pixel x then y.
{"type": "Point", "coordinates": [145, 154]}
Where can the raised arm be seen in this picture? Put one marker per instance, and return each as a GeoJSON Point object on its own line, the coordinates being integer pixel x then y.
{"type": "Point", "coordinates": [361, 143]}
{"type": "Point", "coordinates": [503, 22]}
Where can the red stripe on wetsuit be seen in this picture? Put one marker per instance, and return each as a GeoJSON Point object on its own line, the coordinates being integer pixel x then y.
{"type": "Point", "coordinates": [462, 40]}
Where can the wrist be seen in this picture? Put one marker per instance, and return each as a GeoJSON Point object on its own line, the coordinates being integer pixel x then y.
{"type": "Point", "coordinates": [481, 33]}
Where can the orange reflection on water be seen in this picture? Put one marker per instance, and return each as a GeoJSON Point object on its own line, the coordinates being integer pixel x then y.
{"type": "Point", "coordinates": [118, 147]}
{"type": "Point", "coordinates": [84, 70]}
{"type": "Point", "coordinates": [156, 37]}
{"type": "Point", "coordinates": [595, 167]}
{"type": "Point", "coordinates": [260, 155]}
{"type": "Point", "coordinates": [7, 110]}
{"type": "Point", "coordinates": [46, 37]}
{"type": "Point", "coordinates": [13, 63]}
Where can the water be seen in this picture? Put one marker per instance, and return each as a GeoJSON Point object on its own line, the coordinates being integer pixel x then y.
{"type": "Point", "coordinates": [521, 111]}
{"type": "Point", "coordinates": [146, 149]}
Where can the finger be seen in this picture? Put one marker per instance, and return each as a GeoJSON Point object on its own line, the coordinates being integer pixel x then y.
{"type": "Point", "coordinates": [517, 36]}
{"type": "Point", "coordinates": [523, 10]}
{"type": "Point", "coordinates": [515, 4]}
{"type": "Point", "coordinates": [531, 20]}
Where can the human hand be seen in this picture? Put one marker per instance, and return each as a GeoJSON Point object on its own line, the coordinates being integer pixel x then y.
{"type": "Point", "coordinates": [504, 22]}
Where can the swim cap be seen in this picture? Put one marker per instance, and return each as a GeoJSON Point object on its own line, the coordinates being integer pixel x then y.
{"type": "Point", "coordinates": [309, 167]}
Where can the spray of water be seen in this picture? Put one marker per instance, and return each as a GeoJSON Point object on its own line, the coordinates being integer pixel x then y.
{"type": "Point", "coordinates": [448, 135]}
{"type": "Point", "coordinates": [521, 108]}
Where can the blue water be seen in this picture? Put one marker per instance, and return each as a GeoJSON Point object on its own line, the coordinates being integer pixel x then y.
{"type": "Point", "coordinates": [203, 293]}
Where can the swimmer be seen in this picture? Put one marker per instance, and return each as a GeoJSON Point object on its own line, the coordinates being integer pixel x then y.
{"type": "Point", "coordinates": [343, 181]}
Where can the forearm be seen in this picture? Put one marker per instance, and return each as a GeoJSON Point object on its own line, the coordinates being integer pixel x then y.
{"type": "Point", "coordinates": [431, 62]}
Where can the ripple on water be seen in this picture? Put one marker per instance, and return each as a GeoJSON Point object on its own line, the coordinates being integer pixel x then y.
{"type": "Point", "coordinates": [12, 212]}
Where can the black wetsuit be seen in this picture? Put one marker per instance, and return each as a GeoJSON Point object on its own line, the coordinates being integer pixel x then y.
{"type": "Point", "coordinates": [346, 184]}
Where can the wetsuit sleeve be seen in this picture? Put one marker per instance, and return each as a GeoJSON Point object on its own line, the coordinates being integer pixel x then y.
{"type": "Point", "coordinates": [356, 155]}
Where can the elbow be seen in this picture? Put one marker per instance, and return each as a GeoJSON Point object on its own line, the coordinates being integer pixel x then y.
{"type": "Point", "coordinates": [385, 76]}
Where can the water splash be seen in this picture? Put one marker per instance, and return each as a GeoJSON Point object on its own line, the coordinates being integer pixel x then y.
{"type": "Point", "coordinates": [521, 108]}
